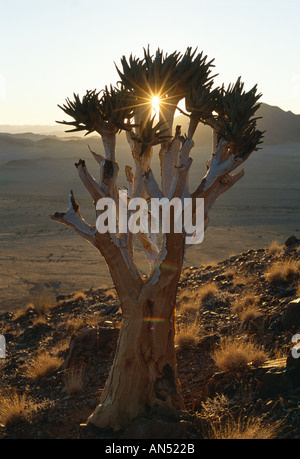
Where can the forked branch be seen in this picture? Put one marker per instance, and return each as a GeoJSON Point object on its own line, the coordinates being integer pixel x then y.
{"type": "Point", "coordinates": [73, 219]}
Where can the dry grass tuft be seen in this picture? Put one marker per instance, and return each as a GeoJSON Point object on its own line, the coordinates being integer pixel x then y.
{"type": "Point", "coordinates": [75, 324]}
{"type": "Point", "coordinates": [12, 407]}
{"type": "Point", "coordinates": [187, 302]}
{"type": "Point", "coordinates": [250, 313]}
{"type": "Point", "coordinates": [234, 354]}
{"type": "Point", "coordinates": [207, 292]}
{"type": "Point", "coordinates": [18, 314]}
{"type": "Point", "coordinates": [111, 294]}
{"type": "Point", "coordinates": [187, 335]}
{"type": "Point", "coordinates": [42, 304]}
{"type": "Point", "coordinates": [74, 380]}
{"type": "Point", "coordinates": [281, 272]}
{"type": "Point", "coordinates": [39, 320]}
{"type": "Point", "coordinates": [42, 366]}
{"type": "Point", "coordinates": [78, 296]}
{"type": "Point", "coordinates": [16, 407]}
{"type": "Point", "coordinates": [230, 273]}
{"type": "Point", "coordinates": [251, 428]}
{"type": "Point", "coordinates": [246, 308]}
{"type": "Point", "coordinates": [190, 300]}
{"type": "Point", "coordinates": [242, 279]}
{"type": "Point", "coordinates": [274, 248]}
{"type": "Point", "coordinates": [241, 304]}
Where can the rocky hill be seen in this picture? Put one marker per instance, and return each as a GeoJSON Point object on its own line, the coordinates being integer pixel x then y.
{"type": "Point", "coordinates": [58, 356]}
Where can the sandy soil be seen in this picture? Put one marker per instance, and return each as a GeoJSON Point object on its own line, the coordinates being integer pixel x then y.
{"type": "Point", "coordinates": [36, 254]}
{"type": "Point", "coordinates": [41, 256]}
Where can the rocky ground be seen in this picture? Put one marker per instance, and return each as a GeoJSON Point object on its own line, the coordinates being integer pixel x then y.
{"type": "Point", "coordinates": [79, 333]}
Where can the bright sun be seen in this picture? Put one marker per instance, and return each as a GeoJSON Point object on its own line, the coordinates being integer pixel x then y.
{"type": "Point", "coordinates": [155, 105]}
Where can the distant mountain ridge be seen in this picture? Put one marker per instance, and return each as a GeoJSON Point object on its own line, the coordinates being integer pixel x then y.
{"type": "Point", "coordinates": [280, 126]}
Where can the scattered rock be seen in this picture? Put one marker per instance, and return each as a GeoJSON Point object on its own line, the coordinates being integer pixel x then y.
{"type": "Point", "coordinates": [110, 310]}
{"type": "Point", "coordinates": [272, 391]}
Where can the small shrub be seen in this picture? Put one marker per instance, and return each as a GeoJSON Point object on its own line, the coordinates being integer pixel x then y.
{"type": "Point", "coordinates": [241, 279]}
{"type": "Point", "coordinates": [75, 380]}
{"type": "Point", "coordinates": [275, 248]}
{"type": "Point", "coordinates": [281, 272]}
{"type": "Point", "coordinates": [74, 324]}
{"type": "Point", "coordinates": [19, 314]}
{"type": "Point", "coordinates": [190, 301]}
{"type": "Point", "coordinates": [42, 366]}
{"type": "Point", "coordinates": [250, 428]}
{"type": "Point", "coordinates": [42, 304]}
{"type": "Point", "coordinates": [187, 302]}
{"type": "Point", "coordinates": [16, 407]}
{"type": "Point", "coordinates": [12, 407]}
{"type": "Point", "coordinates": [230, 273]}
{"type": "Point", "coordinates": [111, 294]}
{"type": "Point", "coordinates": [242, 303]}
{"type": "Point", "coordinates": [246, 308]}
{"type": "Point", "coordinates": [249, 313]}
{"type": "Point", "coordinates": [207, 292]}
{"type": "Point", "coordinates": [187, 335]}
{"type": "Point", "coordinates": [234, 354]}
{"type": "Point", "coordinates": [79, 296]}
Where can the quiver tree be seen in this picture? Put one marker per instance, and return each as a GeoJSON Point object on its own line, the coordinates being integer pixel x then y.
{"type": "Point", "coordinates": [143, 374]}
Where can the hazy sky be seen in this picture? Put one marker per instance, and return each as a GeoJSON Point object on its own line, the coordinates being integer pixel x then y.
{"type": "Point", "coordinates": [50, 49]}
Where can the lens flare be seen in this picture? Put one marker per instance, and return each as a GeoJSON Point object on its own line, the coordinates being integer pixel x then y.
{"type": "Point", "coordinates": [155, 106]}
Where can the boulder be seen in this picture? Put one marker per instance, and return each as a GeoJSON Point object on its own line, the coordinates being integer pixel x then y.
{"type": "Point", "coordinates": [291, 315]}
{"type": "Point", "coordinates": [292, 240]}
{"type": "Point", "coordinates": [143, 428]}
{"type": "Point", "coordinates": [275, 382]}
{"type": "Point", "coordinates": [85, 341]}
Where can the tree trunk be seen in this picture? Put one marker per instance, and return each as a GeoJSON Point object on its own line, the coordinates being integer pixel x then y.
{"type": "Point", "coordinates": [143, 374]}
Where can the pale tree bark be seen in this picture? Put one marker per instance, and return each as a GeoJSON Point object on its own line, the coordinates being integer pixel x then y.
{"type": "Point", "coordinates": [144, 371]}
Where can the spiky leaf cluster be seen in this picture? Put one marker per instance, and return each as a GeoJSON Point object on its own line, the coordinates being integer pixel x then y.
{"type": "Point", "coordinates": [116, 106]}
{"type": "Point", "coordinates": [166, 75]}
{"type": "Point", "coordinates": [133, 76]}
{"type": "Point", "coordinates": [86, 112]}
{"type": "Point", "coordinates": [113, 110]}
{"type": "Point", "coordinates": [150, 134]}
{"type": "Point", "coordinates": [236, 122]}
{"type": "Point", "coordinates": [161, 71]}
{"type": "Point", "coordinates": [201, 102]}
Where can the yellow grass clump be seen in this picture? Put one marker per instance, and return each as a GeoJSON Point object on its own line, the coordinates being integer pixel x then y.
{"type": "Point", "coordinates": [233, 354]}
{"type": "Point", "coordinates": [42, 304]}
{"type": "Point", "coordinates": [187, 335]}
{"type": "Point", "coordinates": [250, 428]}
{"type": "Point", "coordinates": [74, 324]}
{"type": "Point", "coordinates": [274, 248]}
{"type": "Point", "coordinates": [74, 380]}
{"type": "Point", "coordinates": [42, 366]}
{"type": "Point", "coordinates": [279, 272]}
{"type": "Point", "coordinates": [230, 273]}
{"type": "Point", "coordinates": [79, 296]}
{"type": "Point", "coordinates": [16, 407]}
{"type": "Point", "coordinates": [246, 308]}
{"type": "Point", "coordinates": [190, 300]}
